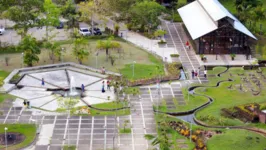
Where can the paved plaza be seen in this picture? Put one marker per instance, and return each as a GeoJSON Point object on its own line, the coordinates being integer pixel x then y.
{"type": "Point", "coordinates": [46, 96]}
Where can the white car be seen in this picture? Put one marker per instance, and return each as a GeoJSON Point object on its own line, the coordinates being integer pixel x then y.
{"type": "Point", "coordinates": [84, 31]}
{"type": "Point", "coordinates": [2, 30]}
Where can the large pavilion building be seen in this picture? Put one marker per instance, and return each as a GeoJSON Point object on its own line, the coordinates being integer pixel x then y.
{"type": "Point", "coordinates": [214, 29]}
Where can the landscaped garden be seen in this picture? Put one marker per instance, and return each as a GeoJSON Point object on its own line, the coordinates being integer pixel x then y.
{"type": "Point", "coordinates": [178, 132]}
{"type": "Point", "coordinates": [27, 130]}
{"type": "Point", "coordinates": [247, 86]}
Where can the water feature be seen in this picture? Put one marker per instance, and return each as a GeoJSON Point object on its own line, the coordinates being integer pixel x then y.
{"type": "Point", "coordinates": [72, 90]}
{"type": "Point", "coordinates": [182, 75]}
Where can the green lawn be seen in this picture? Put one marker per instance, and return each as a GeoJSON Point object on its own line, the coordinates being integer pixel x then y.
{"type": "Point", "coordinates": [3, 75]}
{"type": "Point", "coordinates": [191, 103]}
{"type": "Point", "coordinates": [172, 134]}
{"type": "Point", "coordinates": [237, 140]}
{"type": "Point", "coordinates": [111, 105]}
{"type": "Point", "coordinates": [142, 71]}
{"type": "Point", "coordinates": [226, 98]}
{"type": "Point", "coordinates": [29, 130]}
{"type": "Point", "coordinates": [128, 54]}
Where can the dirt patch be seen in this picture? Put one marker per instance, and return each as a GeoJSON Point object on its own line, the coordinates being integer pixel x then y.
{"type": "Point", "coordinates": [12, 138]}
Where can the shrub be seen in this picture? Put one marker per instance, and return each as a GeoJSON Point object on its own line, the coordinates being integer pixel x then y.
{"type": "Point", "coordinates": [173, 68]}
{"type": "Point", "coordinates": [162, 42]}
{"type": "Point", "coordinates": [176, 18]}
{"type": "Point", "coordinates": [174, 55]}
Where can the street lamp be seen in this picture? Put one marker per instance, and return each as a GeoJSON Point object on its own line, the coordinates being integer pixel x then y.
{"type": "Point", "coordinates": [159, 95]}
{"type": "Point", "coordinates": [133, 67]}
{"type": "Point", "coordinates": [96, 54]}
{"type": "Point", "coordinates": [62, 50]}
{"type": "Point", "coordinates": [14, 111]}
{"type": "Point", "coordinates": [6, 137]}
{"type": "Point", "coordinates": [22, 57]}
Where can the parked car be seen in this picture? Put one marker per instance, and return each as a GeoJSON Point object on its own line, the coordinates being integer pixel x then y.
{"type": "Point", "coordinates": [60, 26]}
{"type": "Point", "coordinates": [2, 30]}
{"type": "Point", "coordinates": [96, 31]}
{"type": "Point", "coordinates": [84, 31]}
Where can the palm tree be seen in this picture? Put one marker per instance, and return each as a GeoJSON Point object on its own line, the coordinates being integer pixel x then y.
{"type": "Point", "coordinates": [80, 49]}
{"type": "Point", "coordinates": [161, 138]}
{"type": "Point", "coordinates": [107, 45]}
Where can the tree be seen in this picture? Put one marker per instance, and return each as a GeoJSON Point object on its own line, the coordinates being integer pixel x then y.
{"type": "Point", "coordinates": [31, 49]}
{"type": "Point", "coordinates": [25, 14]}
{"type": "Point", "coordinates": [68, 11]}
{"type": "Point", "coordinates": [51, 18]}
{"type": "Point", "coordinates": [68, 104]}
{"type": "Point", "coordinates": [87, 10]}
{"type": "Point", "coordinates": [126, 122]}
{"type": "Point", "coordinates": [80, 49]}
{"type": "Point", "coordinates": [159, 33]}
{"type": "Point", "coordinates": [162, 138]}
{"type": "Point", "coordinates": [55, 50]}
{"type": "Point", "coordinates": [146, 14]}
{"type": "Point", "coordinates": [107, 45]}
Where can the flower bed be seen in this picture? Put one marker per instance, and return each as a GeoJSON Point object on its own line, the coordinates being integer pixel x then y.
{"type": "Point", "coordinates": [199, 136]}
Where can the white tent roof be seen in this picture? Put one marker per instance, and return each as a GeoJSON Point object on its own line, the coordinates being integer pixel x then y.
{"type": "Point", "coordinates": [196, 20]}
{"type": "Point", "coordinates": [214, 10]}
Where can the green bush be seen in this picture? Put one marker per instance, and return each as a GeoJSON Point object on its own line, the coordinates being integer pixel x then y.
{"type": "Point", "coordinates": [174, 55]}
{"type": "Point", "coordinates": [176, 18]}
{"type": "Point", "coordinates": [162, 42]}
{"type": "Point", "coordinates": [173, 68]}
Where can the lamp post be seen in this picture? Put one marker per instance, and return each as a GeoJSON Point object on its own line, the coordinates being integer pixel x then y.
{"type": "Point", "coordinates": [6, 137]}
{"type": "Point", "coordinates": [96, 54]}
{"type": "Point", "coordinates": [14, 111]}
{"type": "Point", "coordinates": [133, 67]}
{"type": "Point", "coordinates": [62, 50]}
{"type": "Point", "coordinates": [22, 58]}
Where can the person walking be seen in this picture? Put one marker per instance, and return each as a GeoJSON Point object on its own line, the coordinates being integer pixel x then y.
{"type": "Point", "coordinates": [42, 82]}
{"type": "Point", "coordinates": [103, 90]}
{"type": "Point", "coordinates": [187, 45]}
{"type": "Point", "coordinates": [196, 73]}
{"type": "Point", "coordinates": [103, 70]}
{"type": "Point", "coordinates": [205, 74]}
{"type": "Point", "coordinates": [82, 88]}
{"type": "Point", "coordinates": [193, 74]}
{"type": "Point", "coordinates": [108, 85]}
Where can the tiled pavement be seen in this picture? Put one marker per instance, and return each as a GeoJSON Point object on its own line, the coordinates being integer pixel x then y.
{"type": "Point", "coordinates": [91, 133]}
{"type": "Point", "coordinates": [176, 36]}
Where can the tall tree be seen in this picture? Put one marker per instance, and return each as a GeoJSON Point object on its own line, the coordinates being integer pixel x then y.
{"type": "Point", "coordinates": [51, 18]}
{"type": "Point", "coordinates": [146, 14]}
{"type": "Point", "coordinates": [68, 11]}
{"type": "Point", "coordinates": [25, 14]}
{"type": "Point", "coordinates": [55, 50]}
{"type": "Point", "coordinates": [80, 49]}
{"type": "Point", "coordinates": [107, 45]}
{"type": "Point", "coordinates": [31, 49]}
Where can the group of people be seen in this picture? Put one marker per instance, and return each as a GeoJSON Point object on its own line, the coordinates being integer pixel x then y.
{"type": "Point", "coordinates": [108, 83]}
{"type": "Point", "coordinates": [196, 73]}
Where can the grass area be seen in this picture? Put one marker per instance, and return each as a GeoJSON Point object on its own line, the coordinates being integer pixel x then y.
{"type": "Point", "coordinates": [125, 131]}
{"type": "Point", "coordinates": [111, 105]}
{"type": "Point", "coordinates": [228, 98]}
{"type": "Point", "coordinates": [70, 147]}
{"type": "Point", "coordinates": [29, 130]}
{"type": "Point", "coordinates": [3, 75]}
{"type": "Point", "coordinates": [172, 134]}
{"type": "Point", "coordinates": [191, 103]}
{"type": "Point", "coordinates": [128, 54]}
{"type": "Point", "coordinates": [143, 71]}
{"type": "Point", "coordinates": [237, 140]}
